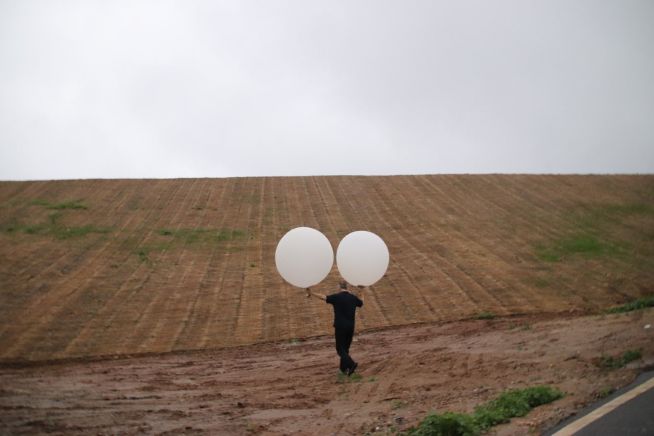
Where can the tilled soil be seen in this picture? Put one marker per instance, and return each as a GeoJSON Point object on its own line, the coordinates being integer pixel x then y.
{"type": "Point", "coordinates": [293, 387]}
{"type": "Point", "coordinates": [114, 267]}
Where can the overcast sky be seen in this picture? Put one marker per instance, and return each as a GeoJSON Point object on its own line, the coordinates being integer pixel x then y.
{"type": "Point", "coordinates": [116, 89]}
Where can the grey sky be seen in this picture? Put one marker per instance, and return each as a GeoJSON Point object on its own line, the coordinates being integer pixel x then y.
{"type": "Point", "coordinates": [211, 89]}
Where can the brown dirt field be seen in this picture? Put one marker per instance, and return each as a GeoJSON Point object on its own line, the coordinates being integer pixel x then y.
{"type": "Point", "coordinates": [292, 388]}
{"type": "Point", "coordinates": [142, 269]}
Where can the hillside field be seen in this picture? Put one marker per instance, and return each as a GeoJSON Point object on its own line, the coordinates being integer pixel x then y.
{"type": "Point", "coordinates": [94, 268]}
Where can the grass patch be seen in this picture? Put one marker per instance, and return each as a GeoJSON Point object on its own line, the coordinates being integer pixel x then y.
{"type": "Point", "coordinates": [194, 236]}
{"type": "Point", "coordinates": [628, 209]}
{"type": "Point", "coordinates": [54, 229]}
{"type": "Point", "coordinates": [485, 315]}
{"type": "Point", "coordinates": [605, 392]}
{"type": "Point", "coordinates": [71, 204]}
{"type": "Point", "coordinates": [520, 326]}
{"type": "Point", "coordinates": [343, 379]}
{"type": "Point", "coordinates": [446, 424]}
{"type": "Point", "coordinates": [398, 404]}
{"type": "Point", "coordinates": [586, 245]}
{"type": "Point", "coordinates": [143, 256]}
{"type": "Point", "coordinates": [510, 404]}
{"type": "Point", "coordinates": [641, 303]}
{"type": "Point", "coordinates": [64, 232]}
{"type": "Point", "coordinates": [591, 226]}
{"type": "Point", "coordinates": [540, 282]}
{"type": "Point", "coordinates": [602, 214]}
{"type": "Point", "coordinates": [616, 362]}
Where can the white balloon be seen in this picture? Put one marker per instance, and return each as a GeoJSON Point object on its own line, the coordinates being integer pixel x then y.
{"type": "Point", "coordinates": [362, 258]}
{"type": "Point", "coordinates": [304, 257]}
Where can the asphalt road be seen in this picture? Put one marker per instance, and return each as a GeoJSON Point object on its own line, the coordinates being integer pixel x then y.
{"type": "Point", "coordinates": [633, 417]}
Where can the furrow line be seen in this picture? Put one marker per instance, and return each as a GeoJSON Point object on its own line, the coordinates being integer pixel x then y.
{"type": "Point", "coordinates": [396, 222]}
{"type": "Point", "coordinates": [343, 200]}
{"type": "Point", "coordinates": [456, 237]}
{"type": "Point", "coordinates": [212, 326]}
{"type": "Point", "coordinates": [199, 312]}
{"type": "Point", "coordinates": [123, 308]}
{"type": "Point", "coordinates": [50, 305]}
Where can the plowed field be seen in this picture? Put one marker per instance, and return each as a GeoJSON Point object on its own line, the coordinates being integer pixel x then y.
{"type": "Point", "coordinates": [114, 267]}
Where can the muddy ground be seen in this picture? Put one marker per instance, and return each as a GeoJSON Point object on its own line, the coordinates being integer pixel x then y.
{"type": "Point", "coordinates": [293, 387]}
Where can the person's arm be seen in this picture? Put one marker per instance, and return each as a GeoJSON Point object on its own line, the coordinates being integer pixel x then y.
{"type": "Point", "coordinates": [315, 294]}
{"type": "Point", "coordinates": [360, 293]}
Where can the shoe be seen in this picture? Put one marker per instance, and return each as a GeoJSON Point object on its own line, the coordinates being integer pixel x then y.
{"type": "Point", "coordinates": [350, 371]}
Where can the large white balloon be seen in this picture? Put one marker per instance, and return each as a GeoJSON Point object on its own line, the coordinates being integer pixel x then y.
{"type": "Point", "coordinates": [304, 257]}
{"type": "Point", "coordinates": [362, 258]}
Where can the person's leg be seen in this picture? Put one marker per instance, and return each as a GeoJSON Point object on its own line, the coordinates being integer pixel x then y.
{"type": "Point", "coordinates": [350, 363]}
{"type": "Point", "coordinates": [341, 340]}
{"type": "Point", "coordinates": [347, 338]}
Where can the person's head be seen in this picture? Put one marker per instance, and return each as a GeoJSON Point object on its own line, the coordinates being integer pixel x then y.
{"type": "Point", "coordinates": [343, 284]}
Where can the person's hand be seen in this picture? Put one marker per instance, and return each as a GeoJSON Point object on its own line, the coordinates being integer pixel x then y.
{"type": "Point", "coordinates": [308, 292]}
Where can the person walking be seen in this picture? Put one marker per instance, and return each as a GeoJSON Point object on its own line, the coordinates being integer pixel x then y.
{"type": "Point", "coordinates": [345, 304]}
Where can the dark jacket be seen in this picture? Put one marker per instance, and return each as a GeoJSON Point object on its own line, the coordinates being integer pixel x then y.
{"type": "Point", "coordinates": [345, 305]}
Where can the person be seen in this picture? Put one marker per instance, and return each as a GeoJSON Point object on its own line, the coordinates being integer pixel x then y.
{"type": "Point", "coordinates": [345, 304]}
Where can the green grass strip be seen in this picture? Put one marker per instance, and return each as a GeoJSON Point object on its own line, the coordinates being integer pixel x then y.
{"type": "Point", "coordinates": [510, 404]}
{"type": "Point", "coordinates": [71, 204]}
{"type": "Point", "coordinates": [587, 246]}
{"type": "Point", "coordinates": [485, 315]}
{"type": "Point", "coordinates": [641, 303]}
{"type": "Point", "coordinates": [200, 235]}
{"type": "Point", "coordinates": [615, 362]}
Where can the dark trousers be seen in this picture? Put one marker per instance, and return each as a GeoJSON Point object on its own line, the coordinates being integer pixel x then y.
{"type": "Point", "coordinates": [343, 340]}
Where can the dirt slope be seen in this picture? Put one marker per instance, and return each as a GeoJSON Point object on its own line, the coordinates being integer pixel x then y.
{"type": "Point", "coordinates": [292, 387]}
{"type": "Point", "coordinates": [109, 267]}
